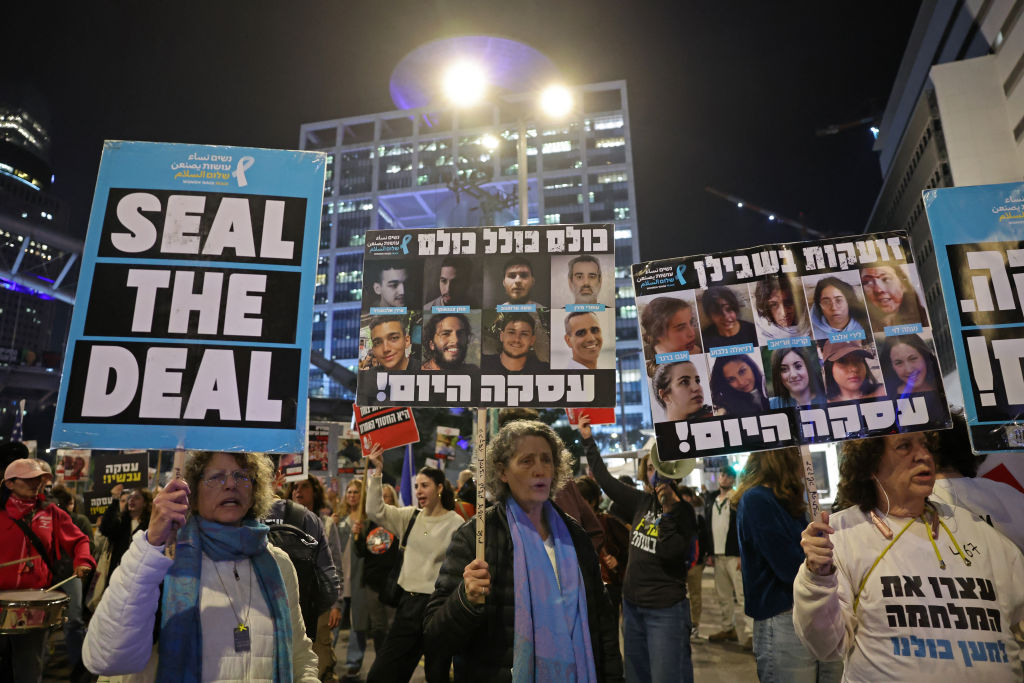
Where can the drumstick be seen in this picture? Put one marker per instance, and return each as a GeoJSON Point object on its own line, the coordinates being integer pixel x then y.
{"type": "Point", "coordinates": [178, 466]}
{"type": "Point", "coordinates": [57, 585]}
{"type": "Point", "coordinates": [21, 561]}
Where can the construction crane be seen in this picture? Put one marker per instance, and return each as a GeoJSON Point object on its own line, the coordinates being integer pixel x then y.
{"type": "Point", "coordinates": [773, 216]}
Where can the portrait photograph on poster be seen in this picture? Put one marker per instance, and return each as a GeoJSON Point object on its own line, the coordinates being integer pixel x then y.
{"type": "Point", "coordinates": [491, 316]}
{"type": "Point", "coordinates": [787, 344]}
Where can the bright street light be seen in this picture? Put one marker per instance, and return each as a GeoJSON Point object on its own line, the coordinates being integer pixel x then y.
{"type": "Point", "coordinates": [464, 83]}
{"type": "Point", "coordinates": [489, 142]}
{"type": "Point", "coordinates": [556, 101]}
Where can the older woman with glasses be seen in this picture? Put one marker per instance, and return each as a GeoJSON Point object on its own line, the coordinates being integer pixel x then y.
{"type": "Point", "coordinates": [229, 607]}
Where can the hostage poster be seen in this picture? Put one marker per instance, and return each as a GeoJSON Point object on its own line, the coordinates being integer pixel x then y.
{"type": "Point", "coordinates": [978, 233]}
{"type": "Point", "coordinates": [193, 315]}
{"type": "Point", "coordinates": [787, 344]}
{"type": "Point", "coordinates": [489, 317]}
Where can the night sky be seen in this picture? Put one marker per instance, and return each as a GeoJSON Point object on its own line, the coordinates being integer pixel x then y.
{"type": "Point", "coordinates": [725, 93]}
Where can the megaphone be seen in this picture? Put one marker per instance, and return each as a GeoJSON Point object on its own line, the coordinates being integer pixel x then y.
{"type": "Point", "coordinates": [673, 469]}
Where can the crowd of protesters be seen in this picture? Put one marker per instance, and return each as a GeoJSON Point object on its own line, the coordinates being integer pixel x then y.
{"type": "Point", "coordinates": [583, 578]}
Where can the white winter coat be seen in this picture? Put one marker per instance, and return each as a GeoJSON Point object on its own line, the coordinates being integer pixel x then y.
{"type": "Point", "coordinates": [119, 640]}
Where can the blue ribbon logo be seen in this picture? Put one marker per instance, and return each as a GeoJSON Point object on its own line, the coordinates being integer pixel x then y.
{"type": "Point", "coordinates": [405, 243]}
{"type": "Point", "coordinates": [679, 273]}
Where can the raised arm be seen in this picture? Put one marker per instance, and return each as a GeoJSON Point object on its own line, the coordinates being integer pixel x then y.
{"type": "Point", "coordinates": [388, 516]}
{"type": "Point", "coordinates": [620, 493]}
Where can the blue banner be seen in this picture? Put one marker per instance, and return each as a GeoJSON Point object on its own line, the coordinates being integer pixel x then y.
{"type": "Point", "coordinates": [194, 310]}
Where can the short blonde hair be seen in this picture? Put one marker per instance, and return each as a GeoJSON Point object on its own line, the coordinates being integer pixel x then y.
{"type": "Point", "coordinates": [259, 467]}
{"type": "Point", "coordinates": [503, 447]}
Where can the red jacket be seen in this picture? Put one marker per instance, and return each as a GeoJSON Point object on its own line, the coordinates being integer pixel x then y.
{"type": "Point", "coordinates": [50, 524]}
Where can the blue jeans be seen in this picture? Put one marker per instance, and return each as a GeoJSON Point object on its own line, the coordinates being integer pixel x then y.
{"type": "Point", "coordinates": [657, 643]}
{"type": "Point", "coordinates": [356, 650]}
{"type": "Point", "coordinates": [782, 658]}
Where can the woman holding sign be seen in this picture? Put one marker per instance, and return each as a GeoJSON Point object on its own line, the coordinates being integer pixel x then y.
{"type": "Point", "coordinates": [424, 530]}
{"type": "Point", "coordinates": [536, 608]}
{"type": "Point", "coordinates": [230, 605]}
{"type": "Point", "coordinates": [902, 588]}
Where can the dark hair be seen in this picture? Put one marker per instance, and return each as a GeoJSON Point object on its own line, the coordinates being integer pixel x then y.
{"type": "Point", "coordinates": [62, 496]}
{"type": "Point", "coordinates": [735, 402]}
{"type": "Point", "coordinates": [813, 371]}
{"type": "Point", "coordinates": [954, 451]}
{"type": "Point", "coordinates": [892, 380]}
{"type": "Point", "coordinates": [430, 328]}
{"type": "Point", "coordinates": [319, 495]}
{"type": "Point", "coordinates": [663, 378]}
{"type": "Point", "coordinates": [858, 462]}
{"type": "Point", "coordinates": [781, 470]}
{"type": "Point", "coordinates": [437, 476]}
{"type": "Point", "coordinates": [505, 319]}
{"type": "Point", "coordinates": [576, 314]}
{"type": "Point", "coordinates": [462, 264]}
{"type": "Point", "coordinates": [655, 318]}
{"type": "Point", "coordinates": [767, 287]}
{"type": "Point", "coordinates": [589, 489]}
{"type": "Point", "coordinates": [846, 289]}
{"type": "Point", "coordinates": [516, 261]}
{"type": "Point", "coordinates": [868, 386]}
{"type": "Point", "coordinates": [506, 415]}
{"type": "Point", "coordinates": [584, 258]}
{"type": "Point", "coordinates": [384, 319]}
{"type": "Point", "coordinates": [712, 300]}
{"type": "Point", "coordinates": [910, 310]}
{"type": "Point", "coordinates": [381, 266]}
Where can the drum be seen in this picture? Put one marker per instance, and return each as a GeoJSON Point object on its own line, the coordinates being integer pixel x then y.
{"type": "Point", "coordinates": [26, 610]}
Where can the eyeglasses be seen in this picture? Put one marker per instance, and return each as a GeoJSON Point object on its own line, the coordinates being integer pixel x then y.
{"type": "Point", "coordinates": [242, 479]}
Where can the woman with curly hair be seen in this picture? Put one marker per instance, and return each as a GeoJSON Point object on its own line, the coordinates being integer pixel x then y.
{"type": "Point", "coordinates": [536, 608]}
{"type": "Point", "coordinates": [737, 386]}
{"type": "Point", "coordinates": [770, 515]}
{"type": "Point", "coordinates": [781, 312]}
{"type": "Point", "coordinates": [896, 566]}
{"type": "Point", "coordinates": [230, 605]}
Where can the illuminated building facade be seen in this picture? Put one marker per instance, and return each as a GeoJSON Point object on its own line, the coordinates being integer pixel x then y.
{"type": "Point", "coordinates": [400, 169]}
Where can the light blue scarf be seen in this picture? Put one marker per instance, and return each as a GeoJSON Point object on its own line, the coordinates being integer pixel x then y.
{"type": "Point", "coordinates": [181, 639]}
{"type": "Point", "coordinates": [552, 633]}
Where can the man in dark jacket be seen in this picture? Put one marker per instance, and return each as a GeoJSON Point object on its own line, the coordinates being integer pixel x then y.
{"type": "Point", "coordinates": [725, 558]}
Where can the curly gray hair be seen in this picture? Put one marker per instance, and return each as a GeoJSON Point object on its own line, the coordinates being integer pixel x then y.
{"type": "Point", "coordinates": [259, 467]}
{"type": "Point", "coordinates": [503, 447]}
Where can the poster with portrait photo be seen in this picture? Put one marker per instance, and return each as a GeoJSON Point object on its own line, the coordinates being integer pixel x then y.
{"type": "Point", "coordinates": [680, 390]}
{"type": "Point", "coordinates": [583, 340]}
{"type": "Point", "coordinates": [471, 278]}
{"type": "Point", "coordinates": [791, 356]}
{"type": "Point", "coordinates": [910, 367]}
{"type": "Point", "coordinates": [668, 328]}
{"type": "Point", "coordinates": [590, 282]}
{"type": "Point", "coordinates": [514, 342]}
{"type": "Point", "coordinates": [894, 298]}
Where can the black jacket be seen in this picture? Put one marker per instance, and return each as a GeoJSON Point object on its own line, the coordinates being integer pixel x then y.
{"type": "Point", "coordinates": [483, 635]}
{"type": "Point", "coordinates": [732, 541]}
{"type": "Point", "coordinates": [117, 527]}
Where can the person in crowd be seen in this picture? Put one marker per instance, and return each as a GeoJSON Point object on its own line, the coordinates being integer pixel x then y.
{"type": "Point", "coordinates": [613, 555]}
{"type": "Point", "coordinates": [510, 617]}
{"type": "Point", "coordinates": [122, 521]}
{"type": "Point", "coordinates": [695, 575]}
{"type": "Point", "coordinates": [367, 614]}
{"type": "Point", "coordinates": [677, 389]}
{"type": "Point", "coordinates": [781, 313]}
{"type": "Point", "coordinates": [74, 628]}
{"type": "Point", "coordinates": [584, 338]}
{"type": "Point", "coordinates": [655, 609]}
{"type": "Point", "coordinates": [836, 309]}
{"type": "Point", "coordinates": [890, 297]}
{"type": "Point", "coordinates": [454, 280]}
{"type": "Point", "coordinates": [727, 328]}
{"type": "Point", "coordinates": [310, 494]}
{"type": "Point", "coordinates": [446, 338]}
{"type": "Point", "coordinates": [957, 483]}
{"type": "Point", "coordinates": [894, 567]}
{"type": "Point", "coordinates": [22, 506]}
{"type": "Point", "coordinates": [796, 378]}
{"type": "Point", "coordinates": [725, 558]}
{"type": "Point", "coordinates": [737, 386]}
{"type": "Point", "coordinates": [847, 375]}
{"type": "Point", "coordinates": [229, 606]}
{"type": "Point", "coordinates": [668, 326]}
{"type": "Point", "coordinates": [585, 279]}
{"type": "Point", "coordinates": [465, 495]}
{"type": "Point", "coordinates": [430, 525]}
{"type": "Point", "coordinates": [770, 516]}
{"type": "Point", "coordinates": [908, 365]}
{"type": "Point", "coordinates": [389, 285]}
{"type": "Point", "coordinates": [389, 495]}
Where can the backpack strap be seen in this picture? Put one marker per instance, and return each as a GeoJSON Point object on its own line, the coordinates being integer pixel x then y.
{"type": "Point", "coordinates": [293, 514]}
{"type": "Point", "coordinates": [36, 543]}
{"type": "Point", "coordinates": [408, 529]}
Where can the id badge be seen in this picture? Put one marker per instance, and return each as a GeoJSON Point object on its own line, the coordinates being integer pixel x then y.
{"type": "Point", "coordinates": [242, 642]}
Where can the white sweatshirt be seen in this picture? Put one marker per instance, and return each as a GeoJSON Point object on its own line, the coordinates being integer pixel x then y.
{"type": "Point", "coordinates": [915, 621]}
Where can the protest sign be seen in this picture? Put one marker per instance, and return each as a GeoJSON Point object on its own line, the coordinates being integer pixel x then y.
{"type": "Point", "coordinates": [72, 464]}
{"type": "Point", "coordinates": [96, 504]}
{"type": "Point", "coordinates": [319, 438]}
{"type": "Point", "coordinates": [598, 416]}
{"type": "Point", "coordinates": [489, 317]}
{"type": "Point", "coordinates": [194, 306]}
{"type": "Point", "coordinates": [387, 427]}
{"type": "Point", "coordinates": [444, 445]}
{"type": "Point", "coordinates": [978, 233]}
{"type": "Point", "coordinates": [787, 344]}
{"type": "Point", "coordinates": [111, 468]}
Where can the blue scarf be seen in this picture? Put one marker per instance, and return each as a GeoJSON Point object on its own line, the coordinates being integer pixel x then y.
{"type": "Point", "coordinates": [181, 639]}
{"type": "Point", "coordinates": [552, 633]}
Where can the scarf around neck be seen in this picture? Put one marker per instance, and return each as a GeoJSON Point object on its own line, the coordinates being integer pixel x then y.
{"type": "Point", "coordinates": [181, 640]}
{"type": "Point", "coordinates": [552, 632]}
